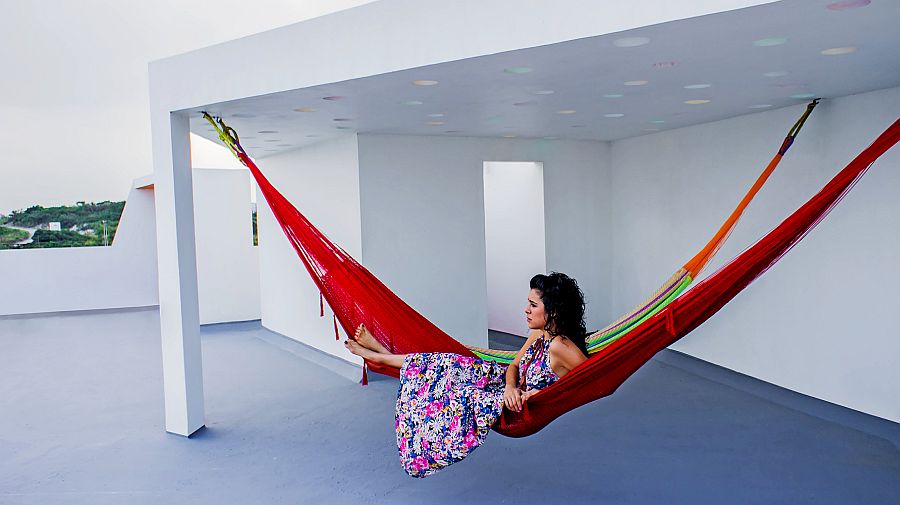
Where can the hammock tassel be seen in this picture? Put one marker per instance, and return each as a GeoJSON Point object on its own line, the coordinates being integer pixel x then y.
{"type": "Point", "coordinates": [336, 336]}
{"type": "Point", "coordinates": [321, 305]}
{"type": "Point", "coordinates": [365, 377]}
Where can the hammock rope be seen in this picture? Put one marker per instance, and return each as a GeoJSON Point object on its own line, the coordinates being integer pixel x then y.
{"type": "Point", "coordinates": [358, 297]}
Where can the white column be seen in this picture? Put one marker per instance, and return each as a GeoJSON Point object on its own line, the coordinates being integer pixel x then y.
{"type": "Point", "coordinates": [178, 304]}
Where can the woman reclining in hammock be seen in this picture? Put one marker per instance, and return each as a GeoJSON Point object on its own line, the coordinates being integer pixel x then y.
{"type": "Point", "coordinates": [447, 403]}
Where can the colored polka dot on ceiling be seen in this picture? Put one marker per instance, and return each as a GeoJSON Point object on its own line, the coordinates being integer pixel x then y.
{"type": "Point", "coordinates": [614, 115]}
{"type": "Point", "coordinates": [566, 111]}
{"type": "Point", "coordinates": [436, 115]}
{"type": "Point", "coordinates": [760, 106]}
{"type": "Point", "coordinates": [697, 86]}
{"type": "Point", "coordinates": [631, 41]}
{"type": "Point", "coordinates": [696, 102]}
{"type": "Point", "coordinates": [779, 73]}
{"type": "Point", "coordinates": [847, 4]}
{"type": "Point", "coordinates": [342, 119]}
{"type": "Point", "coordinates": [803, 96]}
{"type": "Point", "coordinates": [635, 83]}
{"type": "Point", "coordinates": [613, 95]}
{"type": "Point", "coordinates": [333, 98]}
{"type": "Point", "coordinates": [664, 64]}
{"type": "Point", "coordinates": [434, 123]}
{"type": "Point", "coordinates": [544, 92]}
{"type": "Point", "coordinates": [835, 51]}
{"type": "Point", "coordinates": [412, 102]}
{"type": "Point", "coordinates": [509, 136]}
{"type": "Point", "coordinates": [770, 41]}
{"type": "Point", "coordinates": [517, 70]}
{"type": "Point", "coordinates": [267, 131]}
{"type": "Point", "coordinates": [424, 82]}
{"type": "Point", "coordinates": [305, 109]}
{"type": "Point", "coordinates": [657, 121]}
{"type": "Point", "coordinates": [342, 127]}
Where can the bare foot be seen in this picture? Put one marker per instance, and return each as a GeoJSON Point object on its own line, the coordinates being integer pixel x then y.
{"type": "Point", "coordinates": [359, 350]}
{"type": "Point", "coordinates": [367, 340]}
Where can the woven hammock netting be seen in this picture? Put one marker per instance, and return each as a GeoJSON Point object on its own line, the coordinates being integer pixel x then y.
{"type": "Point", "coordinates": [357, 297]}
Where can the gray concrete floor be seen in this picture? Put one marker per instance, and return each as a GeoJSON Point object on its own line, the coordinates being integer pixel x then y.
{"type": "Point", "coordinates": [81, 422]}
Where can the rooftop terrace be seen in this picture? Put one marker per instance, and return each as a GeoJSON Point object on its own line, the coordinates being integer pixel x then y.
{"type": "Point", "coordinates": [81, 397]}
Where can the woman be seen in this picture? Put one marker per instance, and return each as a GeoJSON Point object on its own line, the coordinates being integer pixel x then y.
{"type": "Point", "coordinates": [447, 403]}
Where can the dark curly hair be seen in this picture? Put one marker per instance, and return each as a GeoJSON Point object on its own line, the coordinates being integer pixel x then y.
{"type": "Point", "coordinates": [564, 305]}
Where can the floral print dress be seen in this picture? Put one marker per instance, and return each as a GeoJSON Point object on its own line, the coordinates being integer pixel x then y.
{"type": "Point", "coordinates": [447, 403]}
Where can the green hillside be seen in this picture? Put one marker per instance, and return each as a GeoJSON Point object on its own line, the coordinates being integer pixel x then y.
{"type": "Point", "coordinates": [81, 225]}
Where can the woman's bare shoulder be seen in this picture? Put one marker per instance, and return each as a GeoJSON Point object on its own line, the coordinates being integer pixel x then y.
{"type": "Point", "coordinates": [562, 342]}
{"type": "Point", "coordinates": [567, 350]}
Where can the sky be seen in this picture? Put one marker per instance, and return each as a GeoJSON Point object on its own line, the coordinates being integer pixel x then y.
{"type": "Point", "coordinates": [74, 103]}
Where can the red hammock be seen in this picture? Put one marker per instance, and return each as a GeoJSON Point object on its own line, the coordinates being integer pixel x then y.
{"type": "Point", "coordinates": [357, 297]}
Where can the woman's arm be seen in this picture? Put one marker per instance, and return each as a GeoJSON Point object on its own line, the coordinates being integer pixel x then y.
{"type": "Point", "coordinates": [512, 395]}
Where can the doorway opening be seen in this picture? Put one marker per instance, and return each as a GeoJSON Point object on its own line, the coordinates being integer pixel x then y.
{"type": "Point", "coordinates": [514, 244]}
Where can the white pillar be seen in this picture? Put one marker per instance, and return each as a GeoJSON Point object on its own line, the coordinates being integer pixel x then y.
{"type": "Point", "coordinates": [178, 304]}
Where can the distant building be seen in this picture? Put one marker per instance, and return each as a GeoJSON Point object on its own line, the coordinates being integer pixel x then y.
{"type": "Point", "coordinates": [54, 226]}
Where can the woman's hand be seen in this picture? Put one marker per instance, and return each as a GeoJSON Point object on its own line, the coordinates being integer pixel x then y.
{"type": "Point", "coordinates": [528, 394]}
{"type": "Point", "coordinates": [512, 398]}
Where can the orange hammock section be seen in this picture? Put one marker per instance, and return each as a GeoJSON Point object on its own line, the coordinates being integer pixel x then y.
{"type": "Point", "coordinates": [696, 264]}
{"type": "Point", "coordinates": [358, 297]}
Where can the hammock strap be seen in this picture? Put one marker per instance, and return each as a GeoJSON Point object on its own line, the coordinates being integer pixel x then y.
{"type": "Point", "coordinates": [227, 135]}
{"type": "Point", "coordinates": [792, 134]}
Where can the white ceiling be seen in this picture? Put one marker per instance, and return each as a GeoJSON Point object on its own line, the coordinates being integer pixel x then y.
{"type": "Point", "coordinates": [734, 60]}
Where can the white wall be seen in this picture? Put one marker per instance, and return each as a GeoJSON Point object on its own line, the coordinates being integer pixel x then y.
{"type": "Point", "coordinates": [322, 181]}
{"type": "Point", "coordinates": [86, 278]}
{"type": "Point", "coordinates": [822, 321]}
{"type": "Point", "coordinates": [422, 201]}
{"type": "Point", "coordinates": [514, 239]}
{"type": "Point", "coordinates": [227, 261]}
